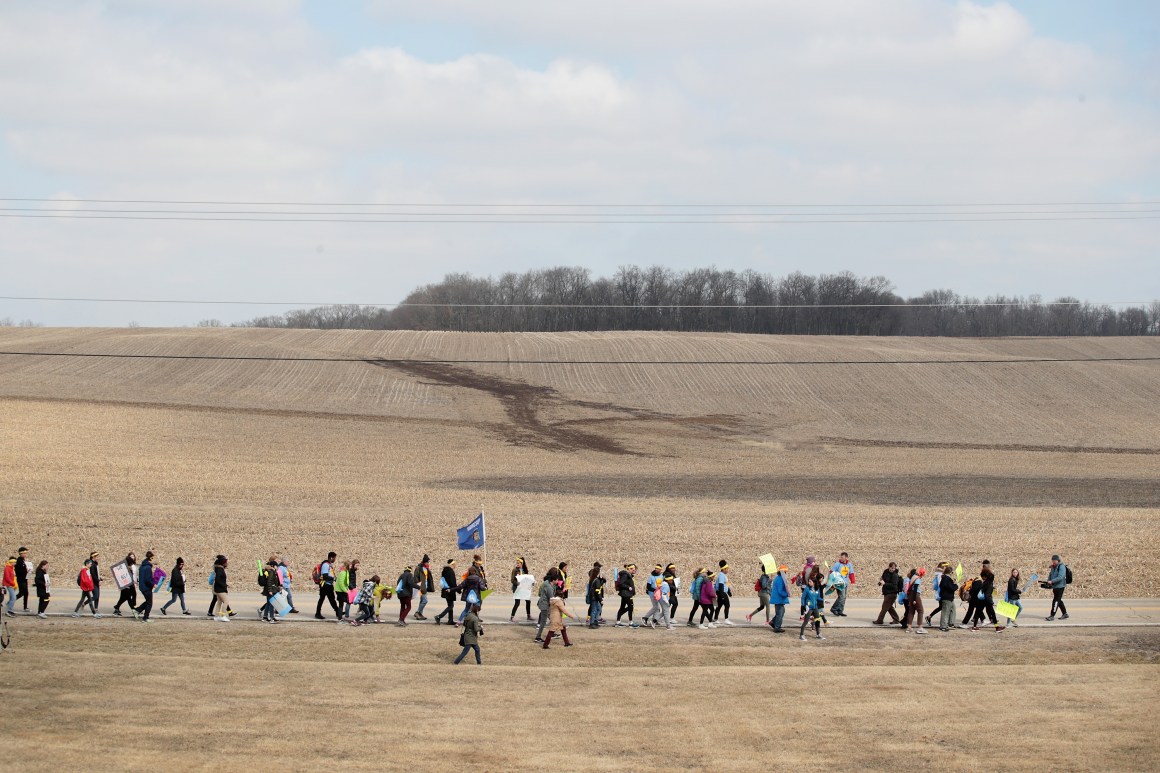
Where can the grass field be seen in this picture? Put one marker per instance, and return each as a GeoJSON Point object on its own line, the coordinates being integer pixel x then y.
{"type": "Point", "coordinates": [903, 456]}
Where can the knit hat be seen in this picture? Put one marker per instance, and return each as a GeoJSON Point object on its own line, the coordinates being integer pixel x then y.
{"type": "Point", "coordinates": [811, 560]}
{"type": "Point", "coordinates": [1056, 557]}
{"type": "Point", "coordinates": [426, 559]}
{"type": "Point", "coordinates": [597, 565]}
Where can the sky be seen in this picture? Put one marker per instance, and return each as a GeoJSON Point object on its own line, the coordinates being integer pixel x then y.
{"type": "Point", "coordinates": [424, 106]}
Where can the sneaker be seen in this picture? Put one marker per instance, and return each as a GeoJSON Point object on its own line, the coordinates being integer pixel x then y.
{"type": "Point", "coordinates": [1013, 624]}
{"type": "Point", "coordinates": [703, 627]}
{"type": "Point", "coordinates": [819, 636]}
{"type": "Point", "coordinates": [232, 613]}
{"type": "Point", "coordinates": [293, 612]}
{"type": "Point", "coordinates": [146, 620]}
{"type": "Point", "coordinates": [1065, 616]}
{"type": "Point", "coordinates": [650, 623]}
{"type": "Point", "coordinates": [634, 625]}
{"type": "Point", "coordinates": [1000, 628]}
{"type": "Point", "coordinates": [669, 627]}
{"type": "Point", "coordinates": [319, 617]}
{"type": "Point", "coordinates": [419, 616]}
{"type": "Point", "coordinates": [538, 640]}
{"type": "Point", "coordinates": [273, 620]}
{"type": "Point", "coordinates": [185, 612]}
{"type": "Point", "coordinates": [98, 615]}
{"type": "Point", "coordinates": [117, 613]}
{"type": "Point", "coordinates": [974, 628]}
{"type": "Point", "coordinates": [921, 631]}
{"type": "Point", "coordinates": [802, 637]}
{"type": "Point", "coordinates": [510, 621]}
{"type": "Point", "coordinates": [568, 644]}
{"type": "Point", "coordinates": [944, 630]}
{"type": "Point", "coordinates": [41, 615]}
{"type": "Point", "coordinates": [1049, 619]}
{"type": "Point", "coordinates": [76, 614]}
{"type": "Point", "coordinates": [163, 611]}
{"type": "Point", "coordinates": [728, 621]}
{"type": "Point", "coordinates": [877, 622]}
{"type": "Point", "coordinates": [136, 615]}
{"type": "Point", "coordinates": [712, 625]}
{"type": "Point", "coordinates": [691, 624]}
{"type": "Point", "coordinates": [402, 623]}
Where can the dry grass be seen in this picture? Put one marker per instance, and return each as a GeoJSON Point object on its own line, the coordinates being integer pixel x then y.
{"type": "Point", "coordinates": [310, 697]}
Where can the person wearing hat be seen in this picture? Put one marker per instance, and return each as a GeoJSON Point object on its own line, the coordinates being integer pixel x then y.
{"type": "Point", "coordinates": [176, 587]}
{"type": "Point", "coordinates": [845, 570]}
{"type": "Point", "coordinates": [221, 590]}
{"type": "Point", "coordinates": [724, 591]}
{"type": "Point", "coordinates": [404, 588]}
{"type": "Point", "coordinates": [21, 569]}
{"type": "Point", "coordinates": [145, 583]}
{"type": "Point", "coordinates": [626, 588]}
{"type": "Point", "coordinates": [522, 590]}
{"type": "Point", "coordinates": [448, 586]}
{"type": "Point", "coordinates": [95, 573]}
{"type": "Point", "coordinates": [425, 584]}
{"type": "Point", "coordinates": [670, 576]}
{"type": "Point", "coordinates": [695, 593]}
{"type": "Point", "coordinates": [594, 595]}
{"type": "Point", "coordinates": [1057, 581]}
{"type": "Point", "coordinates": [708, 597]}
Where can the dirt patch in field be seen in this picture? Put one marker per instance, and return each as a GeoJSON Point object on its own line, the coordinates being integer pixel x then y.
{"type": "Point", "coordinates": [1060, 449]}
{"type": "Point", "coordinates": [928, 490]}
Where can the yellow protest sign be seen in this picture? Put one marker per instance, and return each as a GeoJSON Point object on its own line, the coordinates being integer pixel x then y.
{"type": "Point", "coordinates": [1006, 609]}
{"type": "Point", "coordinates": [959, 573]}
{"type": "Point", "coordinates": [768, 562]}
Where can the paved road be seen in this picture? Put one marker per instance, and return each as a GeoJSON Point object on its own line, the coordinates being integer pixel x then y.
{"type": "Point", "coordinates": [860, 611]}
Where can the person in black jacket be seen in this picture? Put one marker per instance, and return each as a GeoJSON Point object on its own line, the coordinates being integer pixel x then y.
{"type": "Point", "coordinates": [448, 586]}
{"type": "Point", "coordinates": [424, 583]}
{"type": "Point", "coordinates": [471, 591]}
{"type": "Point", "coordinates": [946, 599]}
{"type": "Point", "coordinates": [221, 589]}
{"type": "Point", "coordinates": [22, 576]}
{"type": "Point", "coordinates": [1014, 592]}
{"type": "Point", "coordinates": [404, 588]}
{"type": "Point", "coordinates": [625, 587]}
{"type": "Point", "coordinates": [891, 585]}
{"type": "Point", "coordinates": [271, 587]}
{"type": "Point", "coordinates": [176, 587]}
{"type": "Point", "coordinates": [987, 602]}
{"type": "Point", "coordinates": [43, 588]}
{"type": "Point", "coordinates": [94, 572]}
{"type": "Point", "coordinates": [145, 581]}
{"type": "Point", "coordinates": [129, 594]}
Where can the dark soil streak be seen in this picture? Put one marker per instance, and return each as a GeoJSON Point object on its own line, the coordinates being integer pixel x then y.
{"type": "Point", "coordinates": [841, 441]}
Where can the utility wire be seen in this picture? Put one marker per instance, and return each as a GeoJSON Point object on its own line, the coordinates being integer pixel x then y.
{"type": "Point", "coordinates": [454, 213]}
{"type": "Point", "coordinates": [406, 304]}
{"type": "Point", "coordinates": [420, 361]}
{"type": "Point", "coordinates": [578, 205]}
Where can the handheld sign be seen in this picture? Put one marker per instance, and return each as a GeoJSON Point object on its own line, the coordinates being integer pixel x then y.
{"type": "Point", "coordinates": [769, 563]}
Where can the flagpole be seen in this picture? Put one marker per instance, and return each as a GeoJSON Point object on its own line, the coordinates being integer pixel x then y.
{"type": "Point", "coordinates": [483, 525]}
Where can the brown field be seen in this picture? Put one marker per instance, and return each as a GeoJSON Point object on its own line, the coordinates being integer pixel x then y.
{"type": "Point", "coordinates": [902, 457]}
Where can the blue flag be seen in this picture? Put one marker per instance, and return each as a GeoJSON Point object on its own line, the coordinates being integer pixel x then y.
{"type": "Point", "coordinates": [471, 536]}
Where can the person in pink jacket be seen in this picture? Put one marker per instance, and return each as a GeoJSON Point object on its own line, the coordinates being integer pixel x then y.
{"type": "Point", "coordinates": [708, 598]}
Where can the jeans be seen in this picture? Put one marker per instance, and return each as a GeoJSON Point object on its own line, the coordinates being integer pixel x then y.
{"type": "Point", "coordinates": [594, 610]}
{"type": "Point", "coordinates": [778, 616]}
{"type": "Point", "coordinates": [96, 597]}
{"type": "Point", "coordinates": [1018, 603]}
{"type": "Point", "coordinates": [146, 604]}
{"type": "Point", "coordinates": [174, 596]}
{"type": "Point", "coordinates": [468, 648]}
{"type": "Point", "coordinates": [543, 623]}
{"type": "Point", "coordinates": [422, 604]}
{"type": "Point", "coordinates": [289, 596]}
{"type": "Point", "coordinates": [267, 611]}
{"type": "Point", "coordinates": [86, 598]}
{"type": "Point", "coordinates": [11, 594]}
{"type": "Point", "coordinates": [839, 605]}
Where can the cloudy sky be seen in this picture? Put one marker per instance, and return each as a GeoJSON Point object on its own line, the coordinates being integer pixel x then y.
{"type": "Point", "coordinates": [430, 105]}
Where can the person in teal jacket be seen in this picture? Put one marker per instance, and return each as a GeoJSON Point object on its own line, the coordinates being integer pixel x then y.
{"type": "Point", "coordinates": [779, 597]}
{"type": "Point", "coordinates": [1057, 581]}
{"type": "Point", "coordinates": [811, 598]}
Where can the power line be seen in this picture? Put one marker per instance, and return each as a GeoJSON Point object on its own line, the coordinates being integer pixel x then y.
{"type": "Point", "coordinates": [411, 361]}
{"type": "Point", "coordinates": [572, 222]}
{"type": "Point", "coordinates": [740, 307]}
{"type": "Point", "coordinates": [453, 213]}
{"type": "Point", "coordinates": [577, 205]}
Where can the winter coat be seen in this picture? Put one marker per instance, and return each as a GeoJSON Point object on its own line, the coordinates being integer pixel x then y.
{"type": "Point", "coordinates": [626, 585]}
{"type": "Point", "coordinates": [145, 576]}
{"type": "Point", "coordinates": [43, 583]}
{"type": "Point", "coordinates": [556, 614]}
{"type": "Point", "coordinates": [1013, 589]}
{"type": "Point", "coordinates": [177, 580]}
{"type": "Point", "coordinates": [547, 593]}
{"type": "Point", "coordinates": [10, 574]}
{"type": "Point", "coordinates": [708, 593]}
{"type": "Point", "coordinates": [472, 629]}
{"type": "Point", "coordinates": [780, 592]}
{"type": "Point", "coordinates": [403, 588]}
{"type": "Point", "coordinates": [891, 583]}
{"type": "Point", "coordinates": [220, 581]}
{"type": "Point", "coordinates": [273, 584]}
{"type": "Point", "coordinates": [85, 580]}
{"type": "Point", "coordinates": [449, 578]}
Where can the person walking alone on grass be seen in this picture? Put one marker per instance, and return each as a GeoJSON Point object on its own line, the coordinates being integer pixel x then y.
{"type": "Point", "coordinates": [846, 570]}
{"type": "Point", "coordinates": [221, 589]}
{"type": "Point", "coordinates": [695, 594]}
{"type": "Point", "coordinates": [891, 585]}
{"type": "Point", "coordinates": [544, 601]}
{"type": "Point", "coordinates": [625, 587]}
{"type": "Point", "coordinates": [708, 598]}
{"type": "Point", "coordinates": [1057, 580]}
{"type": "Point", "coordinates": [1014, 593]}
{"type": "Point", "coordinates": [145, 582]}
{"type": "Point", "coordinates": [946, 599]}
{"type": "Point", "coordinates": [594, 595]}
{"type": "Point", "coordinates": [724, 593]}
{"type": "Point", "coordinates": [129, 593]}
{"type": "Point", "coordinates": [404, 589]}
{"type": "Point", "coordinates": [326, 580]}
{"type": "Point", "coordinates": [43, 589]}
{"type": "Point", "coordinates": [176, 587]}
{"type": "Point", "coordinates": [521, 591]}
{"type": "Point", "coordinates": [425, 584]}
{"type": "Point", "coordinates": [85, 583]}
{"type": "Point", "coordinates": [469, 639]}
{"type": "Point", "coordinates": [763, 586]}
{"type": "Point", "coordinates": [557, 611]}
{"type": "Point", "coordinates": [779, 597]}
{"type": "Point", "coordinates": [448, 586]}
{"type": "Point", "coordinates": [23, 569]}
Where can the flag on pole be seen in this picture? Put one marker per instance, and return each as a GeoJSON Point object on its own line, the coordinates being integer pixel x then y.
{"type": "Point", "coordinates": [472, 535]}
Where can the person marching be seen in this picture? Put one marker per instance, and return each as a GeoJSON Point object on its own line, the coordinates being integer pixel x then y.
{"type": "Point", "coordinates": [221, 590]}
{"type": "Point", "coordinates": [934, 591]}
{"type": "Point", "coordinates": [846, 570]}
{"type": "Point", "coordinates": [286, 574]}
{"type": "Point", "coordinates": [145, 582]}
{"type": "Point", "coordinates": [404, 588]}
{"type": "Point", "coordinates": [271, 587]}
{"type": "Point", "coordinates": [811, 598]}
{"type": "Point", "coordinates": [1014, 594]}
{"type": "Point", "coordinates": [10, 583]}
{"type": "Point", "coordinates": [519, 570]}
{"type": "Point", "coordinates": [448, 585]}
{"type": "Point", "coordinates": [708, 597]}
{"type": "Point", "coordinates": [653, 589]}
{"type": "Point", "coordinates": [724, 592]}
{"type": "Point", "coordinates": [914, 601]}
{"type": "Point", "coordinates": [544, 601]}
{"type": "Point", "coordinates": [779, 597]}
{"type": "Point", "coordinates": [94, 572]}
{"type": "Point", "coordinates": [85, 583]}
{"type": "Point", "coordinates": [946, 599]}
{"type": "Point", "coordinates": [695, 594]}
{"type": "Point", "coordinates": [129, 593]}
{"type": "Point", "coordinates": [176, 587]}
{"type": "Point", "coordinates": [1057, 580]}
{"type": "Point", "coordinates": [985, 595]}
{"type": "Point", "coordinates": [626, 588]}
{"type": "Point", "coordinates": [425, 583]}
{"type": "Point", "coordinates": [891, 585]}
{"type": "Point", "coordinates": [594, 595]}
{"type": "Point", "coordinates": [472, 630]}
{"type": "Point", "coordinates": [674, 582]}
{"type": "Point", "coordinates": [763, 586]}
{"type": "Point", "coordinates": [472, 589]}
{"type": "Point", "coordinates": [557, 611]}
{"type": "Point", "coordinates": [43, 589]}
{"type": "Point", "coordinates": [341, 590]}
{"type": "Point", "coordinates": [22, 572]}
{"type": "Point", "coordinates": [326, 581]}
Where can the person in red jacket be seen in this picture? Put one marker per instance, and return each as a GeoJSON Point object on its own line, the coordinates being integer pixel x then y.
{"type": "Point", "coordinates": [85, 582]}
{"type": "Point", "coordinates": [9, 585]}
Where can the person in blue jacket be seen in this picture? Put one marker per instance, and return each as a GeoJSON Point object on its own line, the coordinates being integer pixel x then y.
{"type": "Point", "coordinates": [811, 597]}
{"type": "Point", "coordinates": [1057, 581]}
{"type": "Point", "coordinates": [145, 583]}
{"type": "Point", "coordinates": [779, 597]}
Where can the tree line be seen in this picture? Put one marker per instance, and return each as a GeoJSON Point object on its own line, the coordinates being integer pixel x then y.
{"type": "Point", "coordinates": [711, 300]}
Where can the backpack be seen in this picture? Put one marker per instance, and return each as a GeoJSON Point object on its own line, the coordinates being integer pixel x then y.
{"type": "Point", "coordinates": [316, 574]}
{"type": "Point", "coordinates": [965, 590]}
{"type": "Point", "coordinates": [1067, 574]}
{"type": "Point", "coordinates": [757, 585]}
{"type": "Point", "coordinates": [262, 579]}
{"type": "Point", "coordinates": [212, 577]}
